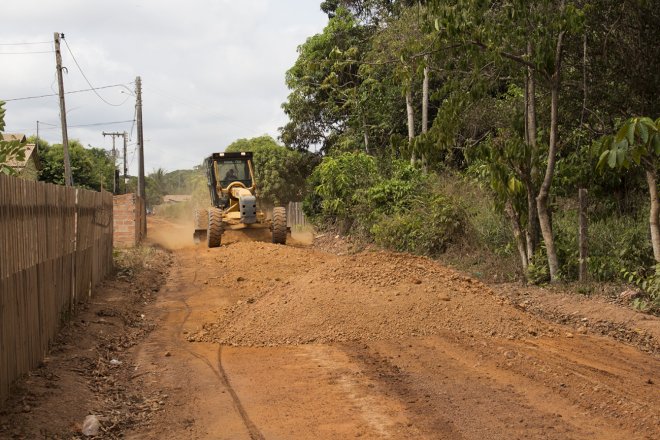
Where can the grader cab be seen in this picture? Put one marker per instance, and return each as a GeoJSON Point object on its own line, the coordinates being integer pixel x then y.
{"type": "Point", "coordinates": [234, 206]}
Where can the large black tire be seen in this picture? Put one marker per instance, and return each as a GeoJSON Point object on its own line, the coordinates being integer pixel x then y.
{"type": "Point", "coordinates": [216, 228]}
{"type": "Point", "coordinates": [279, 225]}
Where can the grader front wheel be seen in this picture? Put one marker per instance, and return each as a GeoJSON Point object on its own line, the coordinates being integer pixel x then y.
{"type": "Point", "coordinates": [279, 225]}
{"type": "Point", "coordinates": [216, 228]}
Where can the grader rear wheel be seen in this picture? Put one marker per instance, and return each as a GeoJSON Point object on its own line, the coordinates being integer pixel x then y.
{"type": "Point", "coordinates": [216, 228]}
{"type": "Point", "coordinates": [279, 225]}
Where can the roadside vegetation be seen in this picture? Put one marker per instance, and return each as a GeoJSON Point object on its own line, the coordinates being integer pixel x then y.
{"type": "Point", "coordinates": [465, 126]}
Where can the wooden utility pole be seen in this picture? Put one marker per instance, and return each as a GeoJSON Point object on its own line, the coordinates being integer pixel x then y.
{"type": "Point", "coordinates": [68, 177]}
{"type": "Point", "coordinates": [125, 160]}
{"type": "Point", "coordinates": [140, 133]}
{"type": "Point", "coordinates": [140, 139]}
{"type": "Point", "coordinates": [115, 172]}
{"type": "Point", "coordinates": [583, 237]}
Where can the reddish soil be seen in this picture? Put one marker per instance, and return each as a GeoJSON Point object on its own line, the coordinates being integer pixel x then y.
{"type": "Point", "coordinates": [255, 340]}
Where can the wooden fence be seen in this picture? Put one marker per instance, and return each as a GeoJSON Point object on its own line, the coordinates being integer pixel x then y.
{"type": "Point", "coordinates": [55, 246]}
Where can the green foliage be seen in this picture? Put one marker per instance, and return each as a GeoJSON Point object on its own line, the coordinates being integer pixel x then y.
{"type": "Point", "coordinates": [280, 172]}
{"type": "Point", "coordinates": [396, 207]}
{"type": "Point", "coordinates": [337, 182]}
{"type": "Point", "coordinates": [426, 229]}
{"type": "Point", "coordinates": [92, 168]}
{"type": "Point", "coordinates": [323, 84]}
{"type": "Point", "coordinates": [9, 150]}
{"type": "Point", "coordinates": [649, 284]}
{"type": "Point", "coordinates": [614, 242]}
{"type": "Point", "coordinates": [537, 269]}
{"type": "Point", "coordinates": [636, 143]}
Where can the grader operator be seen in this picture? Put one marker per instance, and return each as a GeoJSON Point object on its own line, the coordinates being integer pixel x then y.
{"type": "Point", "coordinates": [232, 186]}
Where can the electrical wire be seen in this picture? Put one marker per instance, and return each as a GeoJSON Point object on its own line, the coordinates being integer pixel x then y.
{"type": "Point", "coordinates": [88, 82]}
{"type": "Point", "coordinates": [96, 124]}
{"type": "Point", "coordinates": [25, 44]}
{"type": "Point", "coordinates": [26, 53]}
{"type": "Point", "coordinates": [66, 93]}
{"type": "Point", "coordinates": [130, 136]}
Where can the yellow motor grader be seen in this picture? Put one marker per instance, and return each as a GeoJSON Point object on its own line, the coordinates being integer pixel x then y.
{"type": "Point", "coordinates": [233, 202]}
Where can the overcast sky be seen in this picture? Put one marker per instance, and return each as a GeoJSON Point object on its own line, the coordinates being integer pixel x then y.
{"type": "Point", "coordinates": [212, 70]}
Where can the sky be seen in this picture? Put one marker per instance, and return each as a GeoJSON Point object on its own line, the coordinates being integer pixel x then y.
{"type": "Point", "coordinates": [212, 70]}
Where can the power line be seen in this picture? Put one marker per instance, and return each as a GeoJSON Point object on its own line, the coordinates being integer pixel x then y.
{"type": "Point", "coordinates": [88, 82]}
{"type": "Point", "coordinates": [95, 124]}
{"type": "Point", "coordinates": [25, 44]}
{"type": "Point", "coordinates": [26, 53]}
{"type": "Point", "coordinates": [66, 93]}
{"type": "Point", "coordinates": [100, 123]}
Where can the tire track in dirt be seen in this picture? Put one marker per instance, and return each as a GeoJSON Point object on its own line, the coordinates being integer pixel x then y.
{"type": "Point", "coordinates": [220, 372]}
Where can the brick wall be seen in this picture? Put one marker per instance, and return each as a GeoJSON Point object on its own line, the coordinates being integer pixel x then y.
{"type": "Point", "coordinates": [127, 220]}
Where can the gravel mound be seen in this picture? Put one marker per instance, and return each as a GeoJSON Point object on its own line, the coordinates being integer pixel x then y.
{"type": "Point", "coordinates": [323, 298]}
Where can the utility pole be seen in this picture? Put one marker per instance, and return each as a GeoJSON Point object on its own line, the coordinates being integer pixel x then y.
{"type": "Point", "coordinates": [68, 177]}
{"type": "Point", "coordinates": [140, 133]}
{"type": "Point", "coordinates": [125, 160]}
{"type": "Point", "coordinates": [140, 139]}
{"type": "Point", "coordinates": [115, 172]}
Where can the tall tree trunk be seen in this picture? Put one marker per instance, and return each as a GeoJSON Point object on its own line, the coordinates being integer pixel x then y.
{"type": "Point", "coordinates": [584, 78]}
{"type": "Point", "coordinates": [532, 230]}
{"type": "Point", "coordinates": [425, 101]}
{"type": "Point", "coordinates": [517, 233]}
{"type": "Point", "coordinates": [651, 180]}
{"type": "Point", "coordinates": [425, 110]}
{"type": "Point", "coordinates": [532, 215]}
{"type": "Point", "coordinates": [411, 124]}
{"type": "Point", "coordinates": [544, 191]}
{"type": "Point", "coordinates": [365, 134]}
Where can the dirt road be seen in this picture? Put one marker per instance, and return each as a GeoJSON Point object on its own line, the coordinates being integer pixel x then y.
{"type": "Point", "coordinates": [259, 341]}
{"type": "Point", "coordinates": [256, 340]}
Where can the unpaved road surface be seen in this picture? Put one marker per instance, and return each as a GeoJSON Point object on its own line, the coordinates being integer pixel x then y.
{"type": "Point", "coordinates": [260, 341]}
{"type": "Point", "coordinates": [257, 340]}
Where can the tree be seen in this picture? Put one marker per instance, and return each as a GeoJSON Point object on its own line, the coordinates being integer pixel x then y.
{"type": "Point", "coordinates": [92, 168]}
{"type": "Point", "coordinates": [324, 83]}
{"type": "Point", "coordinates": [9, 150]}
{"type": "Point", "coordinates": [637, 144]}
{"type": "Point", "coordinates": [156, 186]}
{"type": "Point", "coordinates": [532, 36]}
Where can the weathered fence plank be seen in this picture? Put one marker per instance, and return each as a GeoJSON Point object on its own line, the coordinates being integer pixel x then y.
{"type": "Point", "coordinates": [55, 246]}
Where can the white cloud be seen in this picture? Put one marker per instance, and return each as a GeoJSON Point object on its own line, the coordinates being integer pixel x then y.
{"type": "Point", "coordinates": [212, 70]}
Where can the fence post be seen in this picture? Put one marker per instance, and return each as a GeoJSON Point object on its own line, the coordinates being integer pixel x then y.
{"type": "Point", "coordinates": [583, 236]}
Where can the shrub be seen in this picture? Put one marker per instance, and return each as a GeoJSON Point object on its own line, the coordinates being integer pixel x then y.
{"type": "Point", "coordinates": [425, 230]}
{"type": "Point", "coordinates": [336, 182]}
{"type": "Point", "coordinates": [614, 242]}
{"type": "Point", "coordinates": [650, 286]}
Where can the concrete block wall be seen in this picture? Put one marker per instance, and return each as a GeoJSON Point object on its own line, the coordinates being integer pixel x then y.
{"type": "Point", "coordinates": [127, 217]}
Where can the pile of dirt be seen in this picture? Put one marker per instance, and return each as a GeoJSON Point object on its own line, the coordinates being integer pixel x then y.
{"type": "Point", "coordinates": [368, 296]}
{"type": "Point", "coordinates": [88, 367]}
